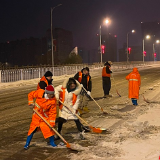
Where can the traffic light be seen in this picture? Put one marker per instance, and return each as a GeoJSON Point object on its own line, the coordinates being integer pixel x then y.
{"type": "Point", "coordinates": [144, 53]}
{"type": "Point", "coordinates": [102, 47]}
{"type": "Point", "coordinates": [129, 50]}
{"type": "Point", "coordinates": [155, 55]}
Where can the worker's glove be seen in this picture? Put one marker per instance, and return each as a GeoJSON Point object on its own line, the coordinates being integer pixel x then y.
{"type": "Point", "coordinates": [89, 93]}
{"type": "Point", "coordinates": [31, 106]}
{"type": "Point", "coordinates": [57, 96]}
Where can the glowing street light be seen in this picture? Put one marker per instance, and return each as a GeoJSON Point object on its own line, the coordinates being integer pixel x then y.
{"type": "Point", "coordinates": [107, 21]}
{"type": "Point", "coordinates": [132, 31]}
{"type": "Point", "coordinates": [148, 36]}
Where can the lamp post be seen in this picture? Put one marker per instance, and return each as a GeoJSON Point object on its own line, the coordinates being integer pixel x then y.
{"type": "Point", "coordinates": [147, 37]}
{"type": "Point", "coordinates": [128, 42]}
{"type": "Point", "coordinates": [154, 54]}
{"type": "Point", "coordinates": [100, 43]}
{"type": "Point", "coordinates": [107, 21]}
{"type": "Point", "coordinates": [52, 8]}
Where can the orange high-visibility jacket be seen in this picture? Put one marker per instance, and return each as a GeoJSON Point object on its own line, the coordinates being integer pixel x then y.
{"type": "Point", "coordinates": [62, 97]}
{"type": "Point", "coordinates": [134, 83]}
{"type": "Point", "coordinates": [47, 108]}
{"type": "Point", "coordinates": [104, 73]}
{"type": "Point", "coordinates": [42, 79]}
{"type": "Point", "coordinates": [80, 78]}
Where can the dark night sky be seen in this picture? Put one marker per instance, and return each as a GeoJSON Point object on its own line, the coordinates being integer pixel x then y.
{"type": "Point", "coordinates": [25, 18]}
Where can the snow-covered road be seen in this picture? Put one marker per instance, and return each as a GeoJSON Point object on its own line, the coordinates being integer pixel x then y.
{"type": "Point", "coordinates": [132, 132]}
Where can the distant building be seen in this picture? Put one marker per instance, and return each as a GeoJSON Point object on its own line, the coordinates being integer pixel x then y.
{"type": "Point", "coordinates": [35, 51]}
{"type": "Point", "coordinates": [23, 52]}
{"type": "Point", "coordinates": [64, 44]}
{"type": "Point", "coordinates": [84, 54]}
{"type": "Point", "coordinates": [110, 47]}
{"type": "Point", "coordinates": [150, 45]}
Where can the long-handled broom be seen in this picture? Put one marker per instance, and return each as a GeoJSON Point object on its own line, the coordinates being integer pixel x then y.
{"type": "Point", "coordinates": [115, 85]}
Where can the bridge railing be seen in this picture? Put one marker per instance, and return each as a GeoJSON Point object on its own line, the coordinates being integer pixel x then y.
{"type": "Point", "coordinates": [12, 75]}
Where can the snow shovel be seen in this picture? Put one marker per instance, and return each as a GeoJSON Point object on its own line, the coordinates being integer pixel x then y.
{"type": "Point", "coordinates": [96, 103]}
{"type": "Point", "coordinates": [94, 129]}
{"type": "Point", "coordinates": [70, 146]}
{"type": "Point", "coordinates": [145, 99]}
{"type": "Point", "coordinates": [148, 101]}
{"type": "Point", "coordinates": [115, 86]}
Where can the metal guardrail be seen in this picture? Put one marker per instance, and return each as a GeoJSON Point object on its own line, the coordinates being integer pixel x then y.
{"type": "Point", "coordinates": [12, 75]}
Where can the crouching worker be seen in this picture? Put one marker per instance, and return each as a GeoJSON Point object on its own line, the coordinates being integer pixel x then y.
{"type": "Point", "coordinates": [45, 104]}
{"type": "Point", "coordinates": [134, 85]}
{"type": "Point", "coordinates": [68, 93]}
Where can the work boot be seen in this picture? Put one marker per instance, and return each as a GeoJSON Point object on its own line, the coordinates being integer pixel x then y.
{"type": "Point", "coordinates": [29, 138]}
{"type": "Point", "coordinates": [105, 96]}
{"type": "Point", "coordinates": [51, 141]}
{"type": "Point", "coordinates": [108, 95]}
{"type": "Point", "coordinates": [86, 128]}
{"type": "Point", "coordinates": [134, 102]}
{"type": "Point", "coordinates": [81, 136]}
{"type": "Point", "coordinates": [86, 109]}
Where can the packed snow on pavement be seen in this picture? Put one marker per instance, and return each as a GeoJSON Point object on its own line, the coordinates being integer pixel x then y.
{"type": "Point", "coordinates": [135, 139]}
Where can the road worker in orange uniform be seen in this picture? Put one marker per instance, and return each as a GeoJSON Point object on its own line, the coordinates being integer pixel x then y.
{"type": "Point", "coordinates": [134, 85]}
{"type": "Point", "coordinates": [45, 80]}
{"type": "Point", "coordinates": [45, 104]}
{"type": "Point", "coordinates": [106, 81]}
{"type": "Point", "coordinates": [68, 93]}
{"type": "Point", "coordinates": [84, 78]}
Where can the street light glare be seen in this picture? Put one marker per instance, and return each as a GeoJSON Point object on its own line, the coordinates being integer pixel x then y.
{"type": "Point", "coordinates": [157, 41]}
{"type": "Point", "coordinates": [147, 36]}
{"type": "Point", "coordinates": [107, 21]}
{"type": "Point", "coordinates": [133, 31]}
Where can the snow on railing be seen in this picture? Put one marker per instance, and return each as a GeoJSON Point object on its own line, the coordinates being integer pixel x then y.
{"type": "Point", "coordinates": [12, 75]}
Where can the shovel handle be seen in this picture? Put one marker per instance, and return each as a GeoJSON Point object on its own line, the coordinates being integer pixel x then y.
{"type": "Point", "coordinates": [96, 130]}
{"type": "Point", "coordinates": [94, 100]}
{"type": "Point", "coordinates": [67, 144]}
{"type": "Point", "coordinates": [74, 113]}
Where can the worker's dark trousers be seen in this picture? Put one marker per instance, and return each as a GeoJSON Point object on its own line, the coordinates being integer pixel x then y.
{"type": "Point", "coordinates": [62, 120]}
{"type": "Point", "coordinates": [106, 85]}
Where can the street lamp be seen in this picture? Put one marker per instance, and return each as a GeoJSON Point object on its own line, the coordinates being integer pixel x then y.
{"type": "Point", "coordinates": [147, 37]}
{"type": "Point", "coordinates": [154, 54]}
{"type": "Point", "coordinates": [132, 31]}
{"type": "Point", "coordinates": [52, 8]}
{"type": "Point", "coordinates": [107, 21]}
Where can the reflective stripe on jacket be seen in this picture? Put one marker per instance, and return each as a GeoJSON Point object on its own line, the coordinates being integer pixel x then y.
{"type": "Point", "coordinates": [133, 79]}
